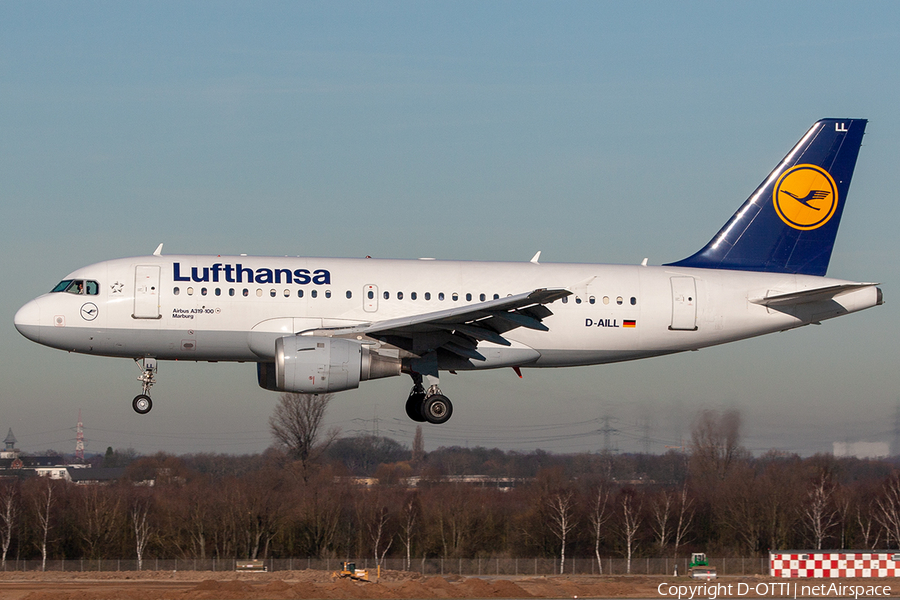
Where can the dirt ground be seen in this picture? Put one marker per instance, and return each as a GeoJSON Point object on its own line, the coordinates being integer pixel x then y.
{"type": "Point", "coordinates": [304, 585]}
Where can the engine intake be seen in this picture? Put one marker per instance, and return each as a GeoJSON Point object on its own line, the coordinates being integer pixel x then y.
{"type": "Point", "coordinates": [315, 365]}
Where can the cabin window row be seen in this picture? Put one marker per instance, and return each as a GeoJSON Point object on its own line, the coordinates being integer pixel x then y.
{"type": "Point", "coordinates": [619, 300]}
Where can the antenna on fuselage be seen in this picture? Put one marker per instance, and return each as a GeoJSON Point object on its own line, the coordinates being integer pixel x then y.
{"type": "Point", "coordinates": [536, 257]}
{"type": "Point", "coordinates": [158, 251]}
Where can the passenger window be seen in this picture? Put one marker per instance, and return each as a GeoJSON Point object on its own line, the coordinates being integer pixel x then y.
{"type": "Point", "coordinates": [387, 295]}
{"type": "Point", "coordinates": [455, 296]}
{"type": "Point", "coordinates": [246, 292]}
{"type": "Point", "coordinates": [272, 293]}
{"type": "Point", "coordinates": [428, 295]}
{"type": "Point", "coordinates": [413, 295]}
{"type": "Point", "coordinates": [287, 293]}
{"type": "Point", "coordinates": [314, 293]}
{"type": "Point", "coordinates": [619, 300]}
{"type": "Point", "coordinates": [190, 291]}
{"type": "Point", "coordinates": [259, 292]}
{"type": "Point", "coordinates": [496, 296]}
{"type": "Point", "coordinates": [633, 300]}
{"type": "Point", "coordinates": [349, 294]}
{"type": "Point", "coordinates": [328, 293]}
{"type": "Point", "coordinates": [468, 297]}
{"type": "Point", "coordinates": [482, 297]}
{"type": "Point", "coordinates": [565, 299]}
{"type": "Point", "coordinates": [202, 291]}
{"type": "Point", "coordinates": [577, 300]}
{"type": "Point", "coordinates": [176, 291]}
{"type": "Point", "coordinates": [299, 293]}
{"type": "Point", "coordinates": [441, 296]}
{"type": "Point", "coordinates": [231, 291]}
{"type": "Point", "coordinates": [371, 295]}
{"type": "Point", "coordinates": [218, 292]}
{"type": "Point", "coordinates": [399, 295]}
{"type": "Point", "coordinates": [592, 300]}
{"type": "Point", "coordinates": [605, 299]}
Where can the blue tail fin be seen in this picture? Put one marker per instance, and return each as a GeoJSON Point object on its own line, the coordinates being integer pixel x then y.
{"type": "Point", "coordinates": [788, 225]}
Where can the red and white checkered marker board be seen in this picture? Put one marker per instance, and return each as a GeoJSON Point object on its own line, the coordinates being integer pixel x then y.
{"type": "Point", "coordinates": [834, 564]}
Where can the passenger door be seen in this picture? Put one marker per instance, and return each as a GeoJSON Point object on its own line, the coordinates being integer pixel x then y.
{"type": "Point", "coordinates": [146, 292]}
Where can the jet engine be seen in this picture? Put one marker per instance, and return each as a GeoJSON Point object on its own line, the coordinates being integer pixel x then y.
{"type": "Point", "coordinates": [316, 365]}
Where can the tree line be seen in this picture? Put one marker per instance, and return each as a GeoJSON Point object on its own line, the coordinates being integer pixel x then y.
{"type": "Point", "coordinates": [714, 497]}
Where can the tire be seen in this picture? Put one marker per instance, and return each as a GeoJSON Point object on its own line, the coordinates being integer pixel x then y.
{"type": "Point", "coordinates": [437, 409]}
{"type": "Point", "coordinates": [414, 407]}
{"type": "Point", "coordinates": [142, 404]}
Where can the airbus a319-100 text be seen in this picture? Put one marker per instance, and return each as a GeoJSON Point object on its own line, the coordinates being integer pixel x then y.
{"type": "Point", "coordinates": [316, 325]}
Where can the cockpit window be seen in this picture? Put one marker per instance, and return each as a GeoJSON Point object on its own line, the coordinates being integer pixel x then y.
{"type": "Point", "coordinates": [77, 286]}
{"type": "Point", "coordinates": [61, 286]}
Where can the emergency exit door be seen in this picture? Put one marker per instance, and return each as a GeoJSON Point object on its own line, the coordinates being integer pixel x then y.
{"type": "Point", "coordinates": [684, 304]}
{"type": "Point", "coordinates": [146, 292]}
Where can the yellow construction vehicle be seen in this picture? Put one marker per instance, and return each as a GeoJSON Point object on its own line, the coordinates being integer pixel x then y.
{"type": "Point", "coordinates": [348, 569]}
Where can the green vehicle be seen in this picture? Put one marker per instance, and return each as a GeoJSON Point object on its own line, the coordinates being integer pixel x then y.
{"type": "Point", "coordinates": [699, 567]}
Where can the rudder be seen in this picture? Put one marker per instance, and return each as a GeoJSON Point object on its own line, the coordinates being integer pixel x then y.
{"type": "Point", "coordinates": [789, 224]}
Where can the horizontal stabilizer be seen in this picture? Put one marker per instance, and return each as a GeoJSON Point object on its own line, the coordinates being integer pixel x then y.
{"type": "Point", "coordinates": [814, 295]}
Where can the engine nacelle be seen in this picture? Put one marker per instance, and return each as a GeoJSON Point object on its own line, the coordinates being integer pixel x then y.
{"type": "Point", "coordinates": [316, 365]}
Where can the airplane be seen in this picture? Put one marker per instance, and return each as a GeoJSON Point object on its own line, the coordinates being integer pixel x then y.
{"type": "Point", "coordinates": [321, 325]}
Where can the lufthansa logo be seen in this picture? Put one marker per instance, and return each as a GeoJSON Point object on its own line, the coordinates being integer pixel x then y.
{"type": "Point", "coordinates": [89, 311]}
{"type": "Point", "coordinates": [805, 197]}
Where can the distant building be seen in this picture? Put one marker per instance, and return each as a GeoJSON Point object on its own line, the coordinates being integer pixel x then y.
{"type": "Point", "coordinates": [13, 464]}
{"type": "Point", "coordinates": [862, 449]}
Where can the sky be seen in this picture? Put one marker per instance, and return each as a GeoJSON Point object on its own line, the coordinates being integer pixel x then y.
{"type": "Point", "coordinates": [595, 132]}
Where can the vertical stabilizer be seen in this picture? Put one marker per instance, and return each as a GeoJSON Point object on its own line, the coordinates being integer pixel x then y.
{"type": "Point", "coordinates": [789, 224]}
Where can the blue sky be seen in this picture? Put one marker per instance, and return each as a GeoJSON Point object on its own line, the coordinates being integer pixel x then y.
{"type": "Point", "coordinates": [594, 132]}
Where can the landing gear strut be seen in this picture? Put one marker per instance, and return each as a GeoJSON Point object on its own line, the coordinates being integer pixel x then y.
{"type": "Point", "coordinates": [142, 402]}
{"type": "Point", "coordinates": [431, 406]}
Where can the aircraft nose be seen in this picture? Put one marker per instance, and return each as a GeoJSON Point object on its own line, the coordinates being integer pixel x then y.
{"type": "Point", "coordinates": [28, 321]}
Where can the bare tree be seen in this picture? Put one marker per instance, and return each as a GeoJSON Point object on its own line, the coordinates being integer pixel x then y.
{"type": "Point", "coordinates": [43, 502]}
{"type": "Point", "coordinates": [418, 447]}
{"type": "Point", "coordinates": [599, 516]}
{"type": "Point", "coordinates": [820, 516]}
{"type": "Point", "coordinates": [661, 508]}
{"type": "Point", "coordinates": [715, 444]}
{"type": "Point", "coordinates": [888, 513]}
{"type": "Point", "coordinates": [631, 523]}
{"type": "Point", "coordinates": [408, 524]}
{"type": "Point", "coordinates": [141, 526]}
{"type": "Point", "coordinates": [9, 514]}
{"type": "Point", "coordinates": [685, 518]}
{"type": "Point", "coordinates": [378, 532]}
{"type": "Point", "coordinates": [97, 514]}
{"type": "Point", "coordinates": [295, 426]}
{"type": "Point", "coordinates": [871, 535]}
{"type": "Point", "coordinates": [562, 517]}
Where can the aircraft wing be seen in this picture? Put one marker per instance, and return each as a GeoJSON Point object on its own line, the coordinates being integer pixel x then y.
{"type": "Point", "coordinates": [459, 329]}
{"type": "Point", "coordinates": [812, 295]}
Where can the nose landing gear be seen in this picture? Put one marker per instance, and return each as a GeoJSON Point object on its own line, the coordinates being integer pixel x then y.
{"type": "Point", "coordinates": [142, 402]}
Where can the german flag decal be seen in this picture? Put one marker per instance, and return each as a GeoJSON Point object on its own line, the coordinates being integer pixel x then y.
{"type": "Point", "coordinates": [627, 323]}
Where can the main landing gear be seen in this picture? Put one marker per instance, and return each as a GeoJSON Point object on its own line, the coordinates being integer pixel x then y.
{"type": "Point", "coordinates": [142, 402]}
{"type": "Point", "coordinates": [430, 406]}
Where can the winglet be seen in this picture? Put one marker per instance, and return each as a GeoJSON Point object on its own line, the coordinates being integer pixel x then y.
{"type": "Point", "coordinates": [536, 257]}
{"type": "Point", "coordinates": [158, 251]}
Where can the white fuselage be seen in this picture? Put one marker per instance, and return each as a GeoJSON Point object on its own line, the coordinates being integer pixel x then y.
{"type": "Point", "coordinates": [233, 308]}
